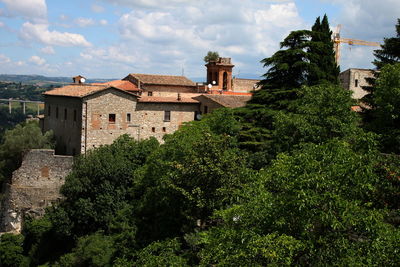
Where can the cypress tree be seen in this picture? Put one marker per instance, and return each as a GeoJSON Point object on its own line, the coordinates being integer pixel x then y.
{"type": "Point", "coordinates": [323, 67]}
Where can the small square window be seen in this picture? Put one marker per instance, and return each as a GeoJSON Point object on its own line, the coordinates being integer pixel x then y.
{"type": "Point", "coordinates": [167, 115]}
{"type": "Point", "coordinates": [111, 118]}
{"type": "Point", "coordinates": [153, 129]}
{"type": "Point", "coordinates": [164, 129]}
{"type": "Point", "coordinates": [128, 117]}
{"type": "Point", "coordinates": [356, 83]}
{"type": "Point", "coordinates": [150, 93]}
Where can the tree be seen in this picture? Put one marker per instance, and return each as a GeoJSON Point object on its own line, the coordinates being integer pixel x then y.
{"type": "Point", "coordinates": [321, 113]}
{"type": "Point", "coordinates": [385, 116]}
{"type": "Point", "coordinates": [388, 54]}
{"type": "Point", "coordinates": [318, 205]}
{"type": "Point", "coordinates": [17, 141]}
{"type": "Point", "coordinates": [306, 58]}
{"type": "Point", "coordinates": [390, 50]}
{"type": "Point", "coordinates": [323, 67]}
{"type": "Point", "coordinates": [11, 251]}
{"type": "Point", "coordinates": [211, 56]}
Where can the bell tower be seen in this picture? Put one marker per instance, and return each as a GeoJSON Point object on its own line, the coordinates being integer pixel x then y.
{"type": "Point", "coordinates": [219, 74]}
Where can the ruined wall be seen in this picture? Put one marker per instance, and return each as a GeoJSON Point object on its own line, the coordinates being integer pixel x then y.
{"type": "Point", "coordinates": [34, 186]}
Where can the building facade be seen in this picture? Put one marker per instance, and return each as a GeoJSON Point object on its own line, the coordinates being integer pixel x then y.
{"type": "Point", "coordinates": [354, 80]}
{"type": "Point", "coordinates": [86, 116]}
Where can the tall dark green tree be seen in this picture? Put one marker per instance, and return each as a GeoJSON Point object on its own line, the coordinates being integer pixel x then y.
{"type": "Point", "coordinates": [323, 67]}
{"type": "Point", "coordinates": [306, 58]}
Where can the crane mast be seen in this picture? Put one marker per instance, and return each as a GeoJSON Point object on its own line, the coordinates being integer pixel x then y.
{"type": "Point", "coordinates": [337, 40]}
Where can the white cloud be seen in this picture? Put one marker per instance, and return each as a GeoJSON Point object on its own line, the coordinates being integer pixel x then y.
{"type": "Point", "coordinates": [49, 50]}
{"type": "Point", "coordinates": [4, 59]}
{"type": "Point", "coordinates": [103, 22]}
{"type": "Point", "coordinates": [97, 8]}
{"type": "Point", "coordinates": [34, 10]}
{"type": "Point", "coordinates": [41, 33]}
{"type": "Point", "coordinates": [368, 20]}
{"type": "Point", "coordinates": [37, 60]}
{"type": "Point", "coordinates": [84, 22]}
{"type": "Point", "coordinates": [244, 31]}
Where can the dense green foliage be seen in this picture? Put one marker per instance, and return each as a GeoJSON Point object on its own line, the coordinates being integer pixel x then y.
{"type": "Point", "coordinates": [16, 142]}
{"type": "Point", "coordinates": [306, 58]}
{"type": "Point", "coordinates": [384, 117]}
{"type": "Point", "coordinates": [317, 193]}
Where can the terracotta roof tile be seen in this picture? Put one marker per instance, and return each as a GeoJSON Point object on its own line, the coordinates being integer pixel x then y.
{"type": "Point", "coordinates": [163, 79]}
{"type": "Point", "coordinates": [155, 99]}
{"type": "Point", "coordinates": [121, 84]}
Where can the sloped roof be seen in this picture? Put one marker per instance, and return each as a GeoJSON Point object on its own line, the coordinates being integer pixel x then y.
{"type": "Point", "coordinates": [163, 79]}
{"type": "Point", "coordinates": [229, 101]}
{"type": "Point", "coordinates": [156, 99]}
{"type": "Point", "coordinates": [246, 85]}
{"type": "Point", "coordinates": [78, 90]}
{"type": "Point", "coordinates": [121, 84]}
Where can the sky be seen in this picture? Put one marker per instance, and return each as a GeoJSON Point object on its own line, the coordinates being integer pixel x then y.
{"type": "Point", "coordinates": [111, 38]}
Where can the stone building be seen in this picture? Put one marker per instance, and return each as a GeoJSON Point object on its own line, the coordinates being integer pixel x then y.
{"type": "Point", "coordinates": [87, 116]}
{"type": "Point", "coordinates": [355, 79]}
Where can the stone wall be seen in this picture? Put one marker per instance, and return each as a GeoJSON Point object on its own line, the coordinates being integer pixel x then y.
{"type": "Point", "coordinates": [34, 186]}
{"type": "Point", "coordinates": [67, 129]}
{"type": "Point", "coordinates": [97, 126]}
{"type": "Point", "coordinates": [151, 118]}
{"type": "Point", "coordinates": [354, 80]}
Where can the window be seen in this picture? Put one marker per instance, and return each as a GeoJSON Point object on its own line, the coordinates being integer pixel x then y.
{"type": "Point", "coordinates": [128, 117]}
{"type": "Point", "coordinates": [164, 129]}
{"type": "Point", "coordinates": [149, 93]}
{"type": "Point", "coordinates": [167, 115]}
{"type": "Point", "coordinates": [65, 114]}
{"type": "Point", "coordinates": [111, 118]}
{"type": "Point", "coordinates": [56, 112]}
{"type": "Point", "coordinates": [356, 83]}
{"type": "Point", "coordinates": [153, 129]}
{"type": "Point", "coordinates": [49, 111]}
{"type": "Point", "coordinates": [205, 109]}
{"type": "Point", "coordinates": [74, 114]}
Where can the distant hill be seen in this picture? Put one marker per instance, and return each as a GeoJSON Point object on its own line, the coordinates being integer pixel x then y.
{"type": "Point", "coordinates": [43, 80]}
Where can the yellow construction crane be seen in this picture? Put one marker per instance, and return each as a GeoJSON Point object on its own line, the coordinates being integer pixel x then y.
{"type": "Point", "coordinates": [337, 40]}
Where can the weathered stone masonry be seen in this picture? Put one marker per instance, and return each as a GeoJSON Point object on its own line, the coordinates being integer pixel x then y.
{"type": "Point", "coordinates": [34, 186]}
